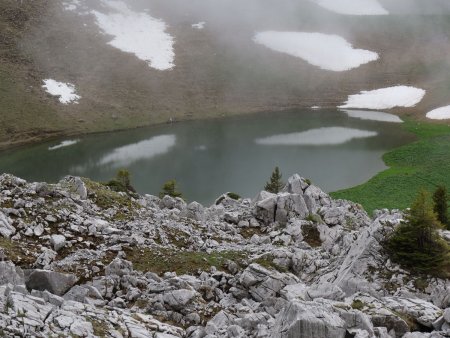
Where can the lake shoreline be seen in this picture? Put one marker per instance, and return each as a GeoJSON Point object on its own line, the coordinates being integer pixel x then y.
{"type": "Point", "coordinates": [417, 165]}
{"type": "Point", "coordinates": [243, 148]}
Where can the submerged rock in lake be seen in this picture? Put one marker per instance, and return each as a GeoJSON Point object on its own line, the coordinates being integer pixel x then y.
{"type": "Point", "coordinates": [82, 260]}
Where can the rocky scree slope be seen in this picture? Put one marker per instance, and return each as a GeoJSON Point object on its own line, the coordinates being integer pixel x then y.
{"type": "Point", "coordinates": [81, 260]}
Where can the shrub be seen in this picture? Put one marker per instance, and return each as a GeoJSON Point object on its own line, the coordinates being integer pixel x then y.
{"type": "Point", "coordinates": [122, 182]}
{"type": "Point", "coordinates": [233, 196]}
{"type": "Point", "coordinates": [275, 184]}
{"type": "Point", "coordinates": [170, 188]}
{"type": "Point", "coordinates": [416, 244]}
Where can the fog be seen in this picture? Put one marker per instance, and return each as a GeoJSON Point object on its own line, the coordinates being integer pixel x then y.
{"type": "Point", "coordinates": [220, 69]}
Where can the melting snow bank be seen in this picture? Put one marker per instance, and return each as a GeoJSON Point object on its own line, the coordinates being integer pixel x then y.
{"type": "Point", "coordinates": [65, 91]}
{"type": "Point", "coordinates": [317, 137]}
{"type": "Point", "coordinates": [199, 25]}
{"type": "Point", "coordinates": [64, 144]}
{"type": "Point", "coordinates": [329, 52]}
{"type": "Point", "coordinates": [137, 33]}
{"type": "Point", "coordinates": [353, 7]}
{"type": "Point", "coordinates": [442, 113]}
{"type": "Point", "coordinates": [126, 155]}
{"type": "Point", "coordinates": [373, 116]}
{"type": "Point", "coordinates": [386, 98]}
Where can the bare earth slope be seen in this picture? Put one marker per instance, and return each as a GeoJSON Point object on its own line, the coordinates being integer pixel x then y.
{"type": "Point", "coordinates": [218, 70]}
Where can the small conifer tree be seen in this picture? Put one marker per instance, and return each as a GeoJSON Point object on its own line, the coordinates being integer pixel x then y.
{"type": "Point", "coordinates": [275, 184]}
{"type": "Point", "coordinates": [169, 188]}
{"type": "Point", "coordinates": [441, 205]}
{"type": "Point", "coordinates": [416, 244]}
{"type": "Point", "coordinates": [122, 182]}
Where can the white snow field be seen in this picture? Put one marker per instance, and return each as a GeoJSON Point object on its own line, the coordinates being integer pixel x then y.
{"type": "Point", "coordinates": [137, 33]}
{"type": "Point", "coordinates": [385, 98]}
{"type": "Point", "coordinates": [329, 52]}
{"type": "Point", "coordinates": [65, 91]}
{"type": "Point", "coordinates": [442, 113]}
{"type": "Point", "coordinates": [353, 7]}
{"type": "Point", "coordinates": [373, 116]}
{"type": "Point", "coordinates": [199, 25]}
{"type": "Point", "coordinates": [317, 137]}
{"type": "Point", "coordinates": [146, 149]}
{"type": "Point", "coordinates": [64, 144]}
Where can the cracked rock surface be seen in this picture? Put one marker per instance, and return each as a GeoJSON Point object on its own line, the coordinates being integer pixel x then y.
{"type": "Point", "coordinates": [81, 260]}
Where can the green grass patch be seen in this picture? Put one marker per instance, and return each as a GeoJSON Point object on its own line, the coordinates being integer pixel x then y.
{"type": "Point", "coordinates": [423, 164]}
{"type": "Point", "coordinates": [160, 261]}
{"type": "Point", "coordinates": [358, 304]}
{"type": "Point", "coordinates": [17, 252]}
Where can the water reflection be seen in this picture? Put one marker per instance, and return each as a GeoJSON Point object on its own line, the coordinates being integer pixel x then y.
{"type": "Point", "coordinates": [373, 116]}
{"type": "Point", "coordinates": [210, 157]}
{"type": "Point", "coordinates": [147, 149]}
{"type": "Point", "coordinates": [317, 137]}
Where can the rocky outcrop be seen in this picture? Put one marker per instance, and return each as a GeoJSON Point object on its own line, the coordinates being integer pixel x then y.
{"type": "Point", "coordinates": [304, 320]}
{"type": "Point", "coordinates": [81, 260]}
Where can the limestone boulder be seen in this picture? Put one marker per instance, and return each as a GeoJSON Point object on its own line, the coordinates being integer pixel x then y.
{"type": "Point", "coordinates": [54, 282]}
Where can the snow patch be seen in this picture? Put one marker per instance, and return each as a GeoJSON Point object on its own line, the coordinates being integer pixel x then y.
{"type": "Point", "coordinates": [329, 52]}
{"type": "Point", "coordinates": [442, 113]}
{"type": "Point", "coordinates": [137, 33]}
{"type": "Point", "coordinates": [71, 6]}
{"type": "Point", "coordinates": [64, 144]}
{"type": "Point", "coordinates": [199, 25]}
{"type": "Point", "coordinates": [65, 91]}
{"type": "Point", "coordinates": [353, 7]}
{"type": "Point", "coordinates": [146, 149]}
{"type": "Point", "coordinates": [317, 137]}
{"type": "Point", "coordinates": [385, 98]}
{"type": "Point", "coordinates": [373, 116]}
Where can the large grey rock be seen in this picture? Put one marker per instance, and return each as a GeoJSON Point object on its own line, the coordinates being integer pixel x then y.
{"type": "Point", "coordinates": [280, 208]}
{"type": "Point", "coordinates": [80, 293]}
{"type": "Point", "coordinates": [290, 205]}
{"type": "Point", "coordinates": [380, 315]}
{"type": "Point", "coordinates": [58, 242]}
{"type": "Point", "coordinates": [316, 194]}
{"type": "Point", "coordinates": [195, 211]}
{"type": "Point", "coordinates": [54, 282]}
{"type": "Point", "coordinates": [265, 208]}
{"type": "Point", "coordinates": [447, 315]}
{"type": "Point", "coordinates": [296, 185]}
{"type": "Point", "coordinates": [9, 273]}
{"type": "Point", "coordinates": [45, 258]}
{"type": "Point", "coordinates": [169, 202]}
{"type": "Point", "coordinates": [119, 267]}
{"type": "Point", "coordinates": [6, 229]}
{"type": "Point", "coordinates": [263, 283]}
{"type": "Point", "coordinates": [422, 311]}
{"type": "Point", "coordinates": [440, 293]}
{"type": "Point", "coordinates": [308, 319]}
{"type": "Point", "coordinates": [178, 299]}
{"type": "Point", "coordinates": [75, 185]}
{"type": "Point", "coordinates": [32, 310]}
{"type": "Point", "coordinates": [326, 291]}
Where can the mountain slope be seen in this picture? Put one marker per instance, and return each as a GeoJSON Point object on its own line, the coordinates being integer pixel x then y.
{"type": "Point", "coordinates": [218, 71]}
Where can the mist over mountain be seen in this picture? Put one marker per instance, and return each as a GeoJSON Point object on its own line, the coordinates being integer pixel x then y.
{"type": "Point", "coordinates": [135, 63]}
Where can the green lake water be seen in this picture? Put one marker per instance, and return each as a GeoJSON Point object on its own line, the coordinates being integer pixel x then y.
{"type": "Point", "coordinates": [210, 157]}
